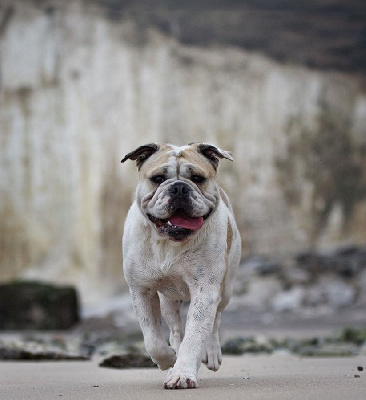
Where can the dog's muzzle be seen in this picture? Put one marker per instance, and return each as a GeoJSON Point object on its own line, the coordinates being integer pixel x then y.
{"type": "Point", "coordinates": [181, 223]}
{"type": "Point", "coordinates": [179, 190]}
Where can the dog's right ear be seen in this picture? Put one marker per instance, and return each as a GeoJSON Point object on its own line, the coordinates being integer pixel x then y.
{"type": "Point", "coordinates": [141, 154]}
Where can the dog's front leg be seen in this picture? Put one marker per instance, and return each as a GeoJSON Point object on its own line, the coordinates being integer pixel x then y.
{"type": "Point", "coordinates": [147, 308]}
{"type": "Point", "coordinates": [200, 320]}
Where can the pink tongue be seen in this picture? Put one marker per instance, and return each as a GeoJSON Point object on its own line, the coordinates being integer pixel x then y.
{"type": "Point", "coordinates": [184, 221]}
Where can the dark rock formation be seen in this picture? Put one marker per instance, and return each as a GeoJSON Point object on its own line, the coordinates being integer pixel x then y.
{"type": "Point", "coordinates": [316, 33]}
{"type": "Point", "coordinates": [34, 305]}
{"type": "Point", "coordinates": [16, 353]}
{"type": "Point", "coordinates": [348, 342]}
{"type": "Point", "coordinates": [128, 360]}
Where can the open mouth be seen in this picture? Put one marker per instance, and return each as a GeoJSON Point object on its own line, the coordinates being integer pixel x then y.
{"type": "Point", "coordinates": [179, 225]}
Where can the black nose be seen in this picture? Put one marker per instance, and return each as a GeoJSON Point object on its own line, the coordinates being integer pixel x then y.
{"type": "Point", "coordinates": [179, 189]}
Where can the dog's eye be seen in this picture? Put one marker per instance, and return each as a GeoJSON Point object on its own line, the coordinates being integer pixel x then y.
{"type": "Point", "coordinates": [198, 179]}
{"type": "Point", "coordinates": [157, 179]}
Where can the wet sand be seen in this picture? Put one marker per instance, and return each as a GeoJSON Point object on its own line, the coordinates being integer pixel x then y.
{"type": "Point", "coordinates": [279, 376]}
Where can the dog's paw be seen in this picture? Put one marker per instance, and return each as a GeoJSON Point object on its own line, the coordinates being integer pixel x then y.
{"type": "Point", "coordinates": [164, 358]}
{"type": "Point", "coordinates": [176, 380]}
{"type": "Point", "coordinates": [180, 382]}
{"type": "Point", "coordinates": [212, 356]}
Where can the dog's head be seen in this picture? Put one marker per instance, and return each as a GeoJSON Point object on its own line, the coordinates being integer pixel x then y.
{"type": "Point", "coordinates": [177, 189]}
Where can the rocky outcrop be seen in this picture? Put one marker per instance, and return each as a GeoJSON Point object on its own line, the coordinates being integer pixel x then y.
{"type": "Point", "coordinates": [321, 34]}
{"type": "Point", "coordinates": [34, 305]}
{"type": "Point", "coordinates": [311, 283]}
{"type": "Point", "coordinates": [80, 88]}
{"type": "Point", "coordinates": [128, 360]}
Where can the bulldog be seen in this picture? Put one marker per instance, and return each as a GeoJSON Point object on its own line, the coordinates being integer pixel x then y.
{"type": "Point", "coordinates": [180, 243]}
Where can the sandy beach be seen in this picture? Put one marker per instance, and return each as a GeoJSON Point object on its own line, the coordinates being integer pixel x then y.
{"type": "Point", "coordinates": [279, 376]}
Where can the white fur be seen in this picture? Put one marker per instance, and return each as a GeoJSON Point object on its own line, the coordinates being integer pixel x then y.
{"type": "Point", "coordinates": [161, 274]}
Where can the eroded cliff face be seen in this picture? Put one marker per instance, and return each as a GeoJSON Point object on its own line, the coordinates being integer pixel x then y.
{"type": "Point", "coordinates": [78, 91]}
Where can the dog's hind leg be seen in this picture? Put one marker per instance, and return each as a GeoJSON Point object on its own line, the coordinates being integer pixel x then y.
{"type": "Point", "coordinates": [170, 310]}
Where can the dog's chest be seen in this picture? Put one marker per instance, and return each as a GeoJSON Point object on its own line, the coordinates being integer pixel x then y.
{"type": "Point", "coordinates": [173, 287]}
{"type": "Point", "coordinates": [171, 270]}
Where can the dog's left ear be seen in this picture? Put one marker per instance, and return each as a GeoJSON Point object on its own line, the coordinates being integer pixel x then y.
{"type": "Point", "coordinates": [213, 153]}
{"type": "Point", "coordinates": [141, 154]}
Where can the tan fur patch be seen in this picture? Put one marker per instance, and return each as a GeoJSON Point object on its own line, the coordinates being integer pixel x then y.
{"type": "Point", "coordinates": [229, 237]}
{"type": "Point", "coordinates": [224, 198]}
{"type": "Point", "coordinates": [156, 160]}
{"type": "Point", "coordinates": [229, 241]}
{"type": "Point", "coordinates": [191, 154]}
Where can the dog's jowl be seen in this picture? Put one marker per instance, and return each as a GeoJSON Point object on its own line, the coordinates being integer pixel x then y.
{"type": "Point", "coordinates": [180, 243]}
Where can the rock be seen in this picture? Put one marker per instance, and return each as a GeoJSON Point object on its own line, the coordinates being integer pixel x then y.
{"type": "Point", "coordinates": [353, 335]}
{"type": "Point", "coordinates": [307, 260]}
{"type": "Point", "coordinates": [330, 290]}
{"type": "Point", "coordinates": [341, 294]}
{"type": "Point", "coordinates": [261, 265]}
{"type": "Point", "coordinates": [242, 345]}
{"type": "Point", "coordinates": [328, 350]}
{"type": "Point", "coordinates": [361, 288]}
{"type": "Point", "coordinates": [316, 295]}
{"type": "Point", "coordinates": [28, 351]}
{"type": "Point", "coordinates": [234, 346]}
{"type": "Point", "coordinates": [345, 261]}
{"type": "Point", "coordinates": [348, 261]}
{"type": "Point", "coordinates": [34, 305]}
{"type": "Point", "coordinates": [259, 293]}
{"type": "Point", "coordinates": [288, 300]}
{"type": "Point", "coordinates": [349, 342]}
{"type": "Point", "coordinates": [131, 359]}
{"type": "Point", "coordinates": [297, 276]}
